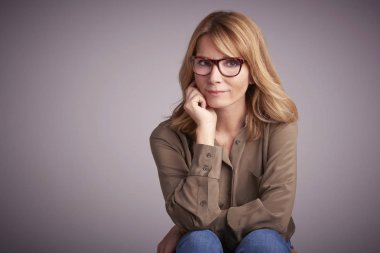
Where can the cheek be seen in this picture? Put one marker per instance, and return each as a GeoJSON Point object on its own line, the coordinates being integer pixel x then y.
{"type": "Point", "coordinates": [200, 81]}
{"type": "Point", "coordinates": [244, 74]}
{"type": "Point", "coordinates": [240, 88]}
{"type": "Point", "coordinates": [243, 83]}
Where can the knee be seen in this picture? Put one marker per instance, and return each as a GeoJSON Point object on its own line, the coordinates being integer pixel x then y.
{"type": "Point", "coordinates": [263, 241]}
{"type": "Point", "coordinates": [199, 241]}
{"type": "Point", "coordinates": [199, 236]}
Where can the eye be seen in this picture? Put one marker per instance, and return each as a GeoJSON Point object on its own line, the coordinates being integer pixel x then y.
{"type": "Point", "coordinates": [231, 63]}
{"type": "Point", "coordinates": [203, 62]}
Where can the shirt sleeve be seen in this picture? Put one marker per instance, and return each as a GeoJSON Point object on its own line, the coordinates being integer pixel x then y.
{"type": "Point", "coordinates": [191, 191]}
{"type": "Point", "coordinates": [277, 188]}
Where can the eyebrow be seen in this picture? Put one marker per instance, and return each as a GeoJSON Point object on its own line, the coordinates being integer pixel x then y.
{"type": "Point", "coordinates": [223, 57]}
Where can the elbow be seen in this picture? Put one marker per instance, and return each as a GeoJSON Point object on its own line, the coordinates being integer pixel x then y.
{"type": "Point", "coordinates": [205, 221]}
{"type": "Point", "coordinates": [281, 223]}
{"type": "Point", "coordinates": [190, 220]}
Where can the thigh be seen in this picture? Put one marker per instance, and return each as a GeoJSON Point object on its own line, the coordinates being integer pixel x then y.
{"type": "Point", "coordinates": [199, 241]}
{"type": "Point", "coordinates": [263, 241]}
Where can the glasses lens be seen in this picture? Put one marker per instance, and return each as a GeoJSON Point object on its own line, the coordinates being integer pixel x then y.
{"type": "Point", "coordinates": [230, 67]}
{"type": "Point", "coordinates": [202, 66]}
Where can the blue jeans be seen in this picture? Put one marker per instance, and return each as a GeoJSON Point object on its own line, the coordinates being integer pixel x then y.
{"type": "Point", "coordinates": [258, 241]}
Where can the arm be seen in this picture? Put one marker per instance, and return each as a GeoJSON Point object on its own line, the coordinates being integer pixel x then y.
{"type": "Point", "coordinates": [169, 242]}
{"type": "Point", "coordinates": [277, 189]}
{"type": "Point", "coordinates": [191, 191]}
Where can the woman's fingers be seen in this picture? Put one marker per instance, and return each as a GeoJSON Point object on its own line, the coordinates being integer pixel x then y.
{"type": "Point", "coordinates": [196, 106]}
{"type": "Point", "coordinates": [161, 248]}
{"type": "Point", "coordinates": [196, 100]}
{"type": "Point", "coordinates": [203, 103]}
{"type": "Point", "coordinates": [195, 97]}
{"type": "Point", "coordinates": [191, 88]}
{"type": "Point", "coordinates": [169, 242]}
{"type": "Point", "coordinates": [190, 92]}
{"type": "Point", "coordinates": [199, 100]}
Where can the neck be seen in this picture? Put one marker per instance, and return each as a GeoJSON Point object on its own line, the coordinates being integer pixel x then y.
{"type": "Point", "coordinates": [230, 120]}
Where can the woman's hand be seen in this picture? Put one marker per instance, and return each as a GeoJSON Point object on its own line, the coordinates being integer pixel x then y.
{"type": "Point", "coordinates": [204, 116]}
{"type": "Point", "coordinates": [196, 106]}
{"type": "Point", "coordinates": [169, 242]}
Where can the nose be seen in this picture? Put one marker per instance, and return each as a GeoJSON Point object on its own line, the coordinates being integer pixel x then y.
{"type": "Point", "coordinates": [215, 76]}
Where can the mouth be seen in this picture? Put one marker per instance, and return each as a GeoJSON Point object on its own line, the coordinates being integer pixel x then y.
{"type": "Point", "coordinates": [216, 92]}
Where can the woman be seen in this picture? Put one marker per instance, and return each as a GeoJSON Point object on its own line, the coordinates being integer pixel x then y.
{"type": "Point", "coordinates": [226, 158]}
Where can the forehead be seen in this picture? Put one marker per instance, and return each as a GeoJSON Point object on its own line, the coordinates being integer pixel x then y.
{"type": "Point", "coordinates": [207, 48]}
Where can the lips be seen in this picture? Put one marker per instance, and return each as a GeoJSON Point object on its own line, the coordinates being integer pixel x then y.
{"type": "Point", "coordinates": [216, 92]}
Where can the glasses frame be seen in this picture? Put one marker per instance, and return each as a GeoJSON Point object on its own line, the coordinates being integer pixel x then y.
{"type": "Point", "coordinates": [216, 62]}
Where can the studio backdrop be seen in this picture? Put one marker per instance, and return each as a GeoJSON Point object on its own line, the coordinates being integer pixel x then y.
{"type": "Point", "coordinates": [83, 84]}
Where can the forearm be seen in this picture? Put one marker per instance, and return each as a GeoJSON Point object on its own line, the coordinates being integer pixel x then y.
{"type": "Point", "coordinates": [273, 207]}
{"type": "Point", "coordinates": [205, 135]}
{"type": "Point", "coordinates": [194, 203]}
{"type": "Point", "coordinates": [272, 211]}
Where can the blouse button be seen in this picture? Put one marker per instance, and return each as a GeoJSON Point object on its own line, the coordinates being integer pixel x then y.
{"type": "Point", "coordinates": [203, 203]}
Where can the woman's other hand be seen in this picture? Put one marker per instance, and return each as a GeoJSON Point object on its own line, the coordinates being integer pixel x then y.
{"type": "Point", "coordinates": [169, 242]}
{"type": "Point", "coordinates": [204, 116]}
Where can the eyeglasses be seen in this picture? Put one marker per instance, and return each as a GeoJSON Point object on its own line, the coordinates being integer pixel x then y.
{"type": "Point", "coordinates": [228, 67]}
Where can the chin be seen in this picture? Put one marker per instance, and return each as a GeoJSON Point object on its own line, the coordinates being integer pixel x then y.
{"type": "Point", "coordinates": [216, 104]}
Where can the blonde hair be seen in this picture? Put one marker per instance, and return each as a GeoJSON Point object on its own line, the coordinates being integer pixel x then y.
{"type": "Point", "coordinates": [236, 35]}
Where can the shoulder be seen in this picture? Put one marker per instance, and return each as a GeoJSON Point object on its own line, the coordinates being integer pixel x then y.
{"type": "Point", "coordinates": [283, 130]}
{"type": "Point", "coordinates": [289, 126]}
{"type": "Point", "coordinates": [164, 137]}
{"type": "Point", "coordinates": [164, 132]}
{"type": "Point", "coordinates": [281, 138]}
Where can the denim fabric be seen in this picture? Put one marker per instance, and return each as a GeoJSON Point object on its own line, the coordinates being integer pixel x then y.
{"type": "Point", "coordinates": [199, 241]}
{"type": "Point", "coordinates": [264, 241]}
{"type": "Point", "coordinates": [257, 241]}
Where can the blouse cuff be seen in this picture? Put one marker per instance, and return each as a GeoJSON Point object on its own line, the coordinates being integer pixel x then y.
{"type": "Point", "coordinates": [207, 161]}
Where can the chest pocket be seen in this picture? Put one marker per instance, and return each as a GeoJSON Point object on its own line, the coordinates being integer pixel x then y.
{"type": "Point", "coordinates": [260, 162]}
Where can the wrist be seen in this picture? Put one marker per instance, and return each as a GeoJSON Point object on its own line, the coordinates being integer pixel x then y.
{"type": "Point", "coordinates": [205, 135]}
{"type": "Point", "coordinates": [179, 230]}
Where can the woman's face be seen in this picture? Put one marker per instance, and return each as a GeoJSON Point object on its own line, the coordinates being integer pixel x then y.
{"type": "Point", "coordinates": [219, 91]}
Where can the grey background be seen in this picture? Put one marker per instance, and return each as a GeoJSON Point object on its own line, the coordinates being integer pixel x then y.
{"type": "Point", "coordinates": [83, 84]}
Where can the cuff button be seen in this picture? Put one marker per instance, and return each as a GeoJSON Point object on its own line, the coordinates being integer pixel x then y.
{"type": "Point", "coordinates": [203, 203]}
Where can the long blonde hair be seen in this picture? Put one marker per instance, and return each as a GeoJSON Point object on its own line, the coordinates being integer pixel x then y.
{"type": "Point", "coordinates": [236, 35]}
